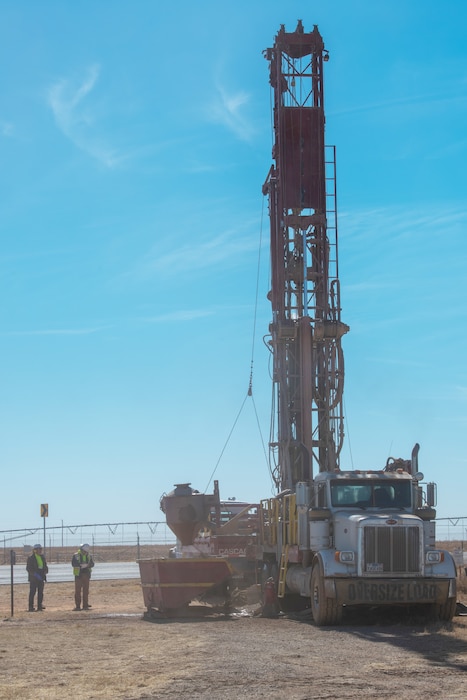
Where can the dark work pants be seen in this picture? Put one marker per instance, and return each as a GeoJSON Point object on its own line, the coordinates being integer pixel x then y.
{"type": "Point", "coordinates": [82, 586]}
{"type": "Point", "coordinates": [36, 585]}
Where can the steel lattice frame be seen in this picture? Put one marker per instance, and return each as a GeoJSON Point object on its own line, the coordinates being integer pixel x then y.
{"type": "Point", "coordinates": [306, 328]}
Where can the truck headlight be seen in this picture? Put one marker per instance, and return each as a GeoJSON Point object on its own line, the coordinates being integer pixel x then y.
{"type": "Point", "coordinates": [434, 557]}
{"type": "Point", "coordinates": [345, 557]}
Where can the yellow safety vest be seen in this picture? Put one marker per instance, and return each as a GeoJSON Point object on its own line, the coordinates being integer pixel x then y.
{"type": "Point", "coordinates": [83, 558]}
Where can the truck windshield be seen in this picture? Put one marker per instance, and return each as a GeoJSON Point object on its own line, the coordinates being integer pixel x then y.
{"type": "Point", "coordinates": [371, 494]}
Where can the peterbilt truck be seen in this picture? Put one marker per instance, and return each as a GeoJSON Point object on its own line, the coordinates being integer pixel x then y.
{"type": "Point", "coordinates": [357, 538]}
{"type": "Point", "coordinates": [330, 538]}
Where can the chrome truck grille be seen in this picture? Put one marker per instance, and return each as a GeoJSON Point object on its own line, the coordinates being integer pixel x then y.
{"type": "Point", "coordinates": [391, 550]}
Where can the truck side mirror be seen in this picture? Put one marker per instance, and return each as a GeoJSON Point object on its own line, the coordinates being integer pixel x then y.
{"type": "Point", "coordinates": [431, 495]}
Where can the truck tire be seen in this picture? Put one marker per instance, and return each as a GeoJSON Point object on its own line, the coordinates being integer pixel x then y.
{"type": "Point", "coordinates": [326, 611]}
{"type": "Point", "coordinates": [444, 612]}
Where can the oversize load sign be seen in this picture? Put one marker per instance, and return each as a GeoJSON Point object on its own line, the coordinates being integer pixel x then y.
{"type": "Point", "coordinates": [384, 592]}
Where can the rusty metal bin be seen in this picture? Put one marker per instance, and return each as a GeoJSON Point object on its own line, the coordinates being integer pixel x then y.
{"type": "Point", "coordinates": [169, 584]}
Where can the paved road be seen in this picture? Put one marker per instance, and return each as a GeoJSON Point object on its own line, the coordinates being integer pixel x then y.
{"type": "Point", "coordinates": [64, 572]}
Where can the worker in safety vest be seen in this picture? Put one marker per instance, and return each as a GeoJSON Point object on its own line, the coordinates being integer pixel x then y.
{"type": "Point", "coordinates": [37, 569]}
{"type": "Point", "coordinates": [82, 563]}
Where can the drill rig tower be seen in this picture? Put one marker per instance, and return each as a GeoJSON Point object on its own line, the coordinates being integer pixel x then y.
{"type": "Point", "coordinates": [306, 330]}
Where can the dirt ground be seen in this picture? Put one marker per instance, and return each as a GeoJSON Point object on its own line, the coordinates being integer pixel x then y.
{"type": "Point", "coordinates": [111, 651]}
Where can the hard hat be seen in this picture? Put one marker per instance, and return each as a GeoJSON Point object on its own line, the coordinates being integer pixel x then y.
{"type": "Point", "coordinates": [37, 546]}
{"type": "Point", "coordinates": [85, 547]}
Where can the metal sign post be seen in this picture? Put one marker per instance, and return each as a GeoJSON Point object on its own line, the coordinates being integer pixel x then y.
{"type": "Point", "coordinates": [44, 515]}
{"type": "Point", "coordinates": [12, 563]}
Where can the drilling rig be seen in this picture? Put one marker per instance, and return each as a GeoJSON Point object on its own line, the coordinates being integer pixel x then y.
{"type": "Point", "coordinates": [330, 538]}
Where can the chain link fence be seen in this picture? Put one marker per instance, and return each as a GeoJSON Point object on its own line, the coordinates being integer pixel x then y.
{"type": "Point", "coordinates": [131, 541]}
{"type": "Point", "coordinates": [109, 541]}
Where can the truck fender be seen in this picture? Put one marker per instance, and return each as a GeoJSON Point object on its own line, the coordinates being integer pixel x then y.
{"type": "Point", "coordinates": [450, 564]}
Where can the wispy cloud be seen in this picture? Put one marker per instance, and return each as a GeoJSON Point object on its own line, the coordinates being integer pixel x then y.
{"type": "Point", "coordinates": [197, 168]}
{"type": "Point", "coordinates": [227, 108]}
{"type": "Point", "coordinates": [180, 316]}
{"type": "Point", "coordinates": [56, 331]}
{"type": "Point", "coordinates": [397, 361]}
{"type": "Point", "coordinates": [413, 88]}
{"type": "Point", "coordinates": [399, 224]}
{"type": "Point", "coordinates": [229, 245]}
{"type": "Point", "coordinates": [73, 114]}
{"type": "Point", "coordinates": [451, 149]}
{"type": "Point", "coordinates": [6, 128]}
{"type": "Point", "coordinates": [384, 104]}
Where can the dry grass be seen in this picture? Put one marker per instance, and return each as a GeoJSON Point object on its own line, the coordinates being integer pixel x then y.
{"type": "Point", "coordinates": [59, 652]}
{"type": "Point", "coordinates": [110, 652]}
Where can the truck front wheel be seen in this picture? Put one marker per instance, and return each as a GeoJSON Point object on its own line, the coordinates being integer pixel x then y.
{"type": "Point", "coordinates": [444, 612]}
{"type": "Point", "coordinates": [326, 611]}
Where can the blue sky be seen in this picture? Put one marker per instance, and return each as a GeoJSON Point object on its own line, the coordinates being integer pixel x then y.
{"type": "Point", "coordinates": [134, 140]}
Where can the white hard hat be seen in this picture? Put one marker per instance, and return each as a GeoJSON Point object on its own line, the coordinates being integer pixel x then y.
{"type": "Point", "coordinates": [37, 546]}
{"type": "Point", "coordinates": [85, 547]}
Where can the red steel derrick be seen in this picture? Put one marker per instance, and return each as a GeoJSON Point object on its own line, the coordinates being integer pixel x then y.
{"type": "Point", "coordinates": [306, 328]}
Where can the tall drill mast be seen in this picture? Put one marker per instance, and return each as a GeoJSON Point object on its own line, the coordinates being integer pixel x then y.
{"type": "Point", "coordinates": [306, 328]}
